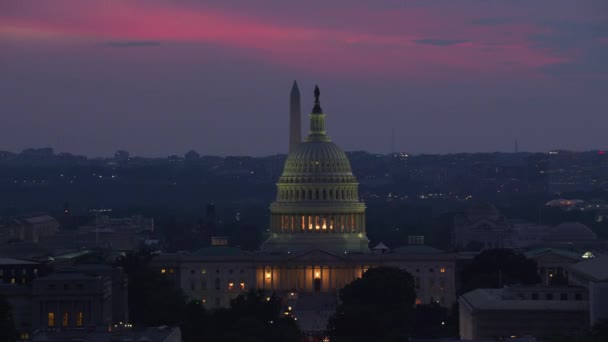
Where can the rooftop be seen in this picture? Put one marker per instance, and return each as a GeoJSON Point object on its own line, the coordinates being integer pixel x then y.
{"type": "Point", "coordinates": [494, 299]}
{"type": "Point", "coordinates": [595, 269]}
{"type": "Point", "coordinates": [8, 261]}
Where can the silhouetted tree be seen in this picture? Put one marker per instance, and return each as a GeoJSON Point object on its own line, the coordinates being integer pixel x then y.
{"type": "Point", "coordinates": [191, 156]}
{"type": "Point", "coordinates": [153, 299]}
{"type": "Point", "coordinates": [253, 316]}
{"type": "Point", "coordinates": [379, 307]}
{"type": "Point", "coordinates": [497, 267]}
{"type": "Point", "coordinates": [430, 320]}
{"type": "Point", "coordinates": [7, 323]}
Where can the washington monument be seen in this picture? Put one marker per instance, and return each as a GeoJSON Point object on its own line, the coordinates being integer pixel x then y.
{"type": "Point", "coordinates": [295, 131]}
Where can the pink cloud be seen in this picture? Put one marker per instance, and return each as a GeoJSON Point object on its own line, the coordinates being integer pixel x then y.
{"type": "Point", "coordinates": [383, 41]}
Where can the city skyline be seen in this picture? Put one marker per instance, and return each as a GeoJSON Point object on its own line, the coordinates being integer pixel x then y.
{"type": "Point", "coordinates": [158, 78]}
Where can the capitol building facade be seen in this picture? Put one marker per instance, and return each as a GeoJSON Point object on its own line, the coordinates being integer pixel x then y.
{"type": "Point", "coordinates": [317, 241]}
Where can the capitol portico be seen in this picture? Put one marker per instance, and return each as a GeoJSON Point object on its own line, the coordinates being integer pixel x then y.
{"type": "Point", "coordinates": [317, 241]}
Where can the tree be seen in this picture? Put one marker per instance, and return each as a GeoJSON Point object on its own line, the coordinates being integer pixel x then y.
{"type": "Point", "coordinates": [7, 323]}
{"type": "Point", "coordinates": [253, 316]}
{"type": "Point", "coordinates": [379, 307]}
{"type": "Point", "coordinates": [191, 156]}
{"type": "Point", "coordinates": [153, 299]}
{"type": "Point", "coordinates": [494, 268]}
{"type": "Point", "coordinates": [430, 320]}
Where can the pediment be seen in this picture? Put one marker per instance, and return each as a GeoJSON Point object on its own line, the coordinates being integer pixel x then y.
{"type": "Point", "coordinates": [316, 255]}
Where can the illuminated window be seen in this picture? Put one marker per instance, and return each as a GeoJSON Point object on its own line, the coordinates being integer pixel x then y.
{"type": "Point", "coordinates": [203, 271]}
{"type": "Point", "coordinates": [268, 274]}
{"type": "Point", "coordinates": [242, 286]}
{"type": "Point", "coordinates": [317, 274]}
{"type": "Point", "coordinates": [51, 319]}
{"type": "Point", "coordinates": [324, 223]}
{"type": "Point", "coordinates": [171, 270]}
{"type": "Point", "coordinates": [230, 286]}
{"type": "Point", "coordinates": [442, 270]}
{"type": "Point", "coordinates": [80, 319]}
{"type": "Point", "coordinates": [65, 319]}
{"type": "Point", "coordinates": [418, 301]}
{"type": "Point", "coordinates": [163, 270]}
{"type": "Point", "coordinates": [12, 280]}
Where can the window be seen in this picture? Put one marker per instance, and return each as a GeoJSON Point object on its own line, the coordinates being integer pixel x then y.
{"type": "Point", "coordinates": [535, 296]}
{"type": "Point", "coordinates": [431, 270]}
{"type": "Point", "coordinates": [51, 319]}
{"type": "Point", "coordinates": [242, 285]}
{"type": "Point", "coordinates": [230, 286]}
{"type": "Point", "coordinates": [65, 319]}
{"type": "Point", "coordinates": [204, 284]}
{"type": "Point", "coordinates": [549, 296]}
{"type": "Point", "coordinates": [203, 271]}
{"type": "Point", "coordinates": [80, 319]}
{"type": "Point", "coordinates": [171, 271]}
{"type": "Point", "coordinates": [217, 283]}
{"type": "Point", "coordinates": [578, 296]}
{"type": "Point", "coordinates": [191, 271]}
{"type": "Point", "coordinates": [563, 296]}
{"type": "Point", "coordinates": [66, 286]}
{"type": "Point", "coordinates": [162, 270]}
{"type": "Point", "coordinates": [12, 280]}
{"type": "Point", "coordinates": [442, 270]}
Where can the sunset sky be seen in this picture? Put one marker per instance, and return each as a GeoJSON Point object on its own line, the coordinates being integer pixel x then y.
{"type": "Point", "coordinates": [163, 77]}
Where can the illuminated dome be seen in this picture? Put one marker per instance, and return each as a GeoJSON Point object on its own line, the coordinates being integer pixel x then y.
{"type": "Point", "coordinates": [317, 204]}
{"type": "Point", "coordinates": [317, 158]}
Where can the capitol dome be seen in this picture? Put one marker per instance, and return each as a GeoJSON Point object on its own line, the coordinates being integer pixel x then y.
{"type": "Point", "coordinates": [317, 157]}
{"type": "Point", "coordinates": [317, 203]}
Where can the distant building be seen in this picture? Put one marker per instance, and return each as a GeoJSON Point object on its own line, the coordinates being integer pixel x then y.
{"type": "Point", "coordinates": [493, 314]}
{"type": "Point", "coordinates": [553, 264]}
{"type": "Point", "coordinates": [70, 299]}
{"type": "Point", "coordinates": [13, 271]}
{"type": "Point", "coordinates": [593, 275]}
{"type": "Point", "coordinates": [481, 226]}
{"type": "Point", "coordinates": [31, 228]}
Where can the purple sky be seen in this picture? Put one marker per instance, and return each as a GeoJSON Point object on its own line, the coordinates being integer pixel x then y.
{"type": "Point", "coordinates": [161, 77]}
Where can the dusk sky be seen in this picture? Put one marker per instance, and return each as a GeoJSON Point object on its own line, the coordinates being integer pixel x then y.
{"type": "Point", "coordinates": [163, 77]}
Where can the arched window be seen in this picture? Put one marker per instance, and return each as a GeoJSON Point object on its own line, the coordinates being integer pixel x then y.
{"type": "Point", "coordinates": [317, 194]}
{"type": "Point", "coordinates": [324, 195]}
{"type": "Point", "coordinates": [331, 194]}
{"type": "Point", "coordinates": [309, 194]}
{"type": "Point", "coordinates": [342, 193]}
